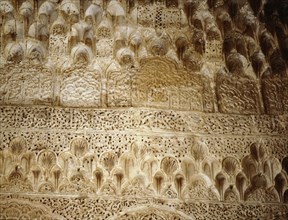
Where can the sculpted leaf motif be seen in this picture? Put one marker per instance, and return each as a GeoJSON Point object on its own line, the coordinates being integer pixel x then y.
{"type": "Point", "coordinates": [17, 145]}
{"type": "Point", "coordinates": [199, 150]}
{"type": "Point", "coordinates": [220, 183]}
{"type": "Point", "coordinates": [188, 168]}
{"type": "Point", "coordinates": [169, 165]}
{"type": "Point", "coordinates": [241, 184]}
{"type": "Point", "coordinates": [249, 166]}
{"type": "Point", "coordinates": [109, 160]}
{"type": "Point", "coordinates": [47, 159]}
{"type": "Point", "coordinates": [280, 183]}
{"type": "Point", "coordinates": [230, 165]}
{"type": "Point", "coordinates": [79, 147]}
{"type": "Point", "coordinates": [257, 152]}
{"type": "Point", "coordinates": [285, 164]}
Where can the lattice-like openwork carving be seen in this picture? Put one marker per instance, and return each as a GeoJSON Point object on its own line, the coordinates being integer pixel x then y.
{"type": "Point", "coordinates": [159, 109]}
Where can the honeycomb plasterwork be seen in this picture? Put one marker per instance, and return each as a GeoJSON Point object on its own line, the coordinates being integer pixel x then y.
{"type": "Point", "coordinates": [131, 156]}
{"type": "Point", "coordinates": [159, 109]}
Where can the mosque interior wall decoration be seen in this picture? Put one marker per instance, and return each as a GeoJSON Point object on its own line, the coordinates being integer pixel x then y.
{"type": "Point", "coordinates": [146, 109]}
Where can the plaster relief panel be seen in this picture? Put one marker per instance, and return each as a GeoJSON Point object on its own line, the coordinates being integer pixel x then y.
{"type": "Point", "coordinates": [159, 84]}
{"type": "Point", "coordinates": [26, 84]}
{"type": "Point", "coordinates": [159, 109]}
{"type": "Point", "coordinates": [79, 88]}
{"type": "Point", "coordinates": [237, 95]}
{"type": "Point", "coordinates": [275, 95]}
{"type": "Point", "coordinates": [118, 85]}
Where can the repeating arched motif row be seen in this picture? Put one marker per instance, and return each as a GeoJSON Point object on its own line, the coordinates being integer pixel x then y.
{"type": "Point", "coordinates": [109, 208]}
{"type": "Point", "coordinates": [220, 60]}
{"type": "Point", "coordinates": [154, 213]}
{"type": "Point", "coordinates": [18, 209]}
{"type": "Point", "coordinates": [137, 172]}
{"type": "Point", "coordinates": [99, 22]}
{"type": "Point", "coordinates": [115, 35]}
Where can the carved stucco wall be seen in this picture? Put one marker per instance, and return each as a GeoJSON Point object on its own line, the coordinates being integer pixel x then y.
{"type": "Point", "coordinates": [159, 109]}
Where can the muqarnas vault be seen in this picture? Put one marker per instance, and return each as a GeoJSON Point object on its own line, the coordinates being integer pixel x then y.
{"type": "Point", "coordinates": [148, 109]}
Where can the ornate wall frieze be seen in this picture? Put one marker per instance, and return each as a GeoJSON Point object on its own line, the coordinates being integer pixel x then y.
{"type": "Point", "coordinates": [159, 109]}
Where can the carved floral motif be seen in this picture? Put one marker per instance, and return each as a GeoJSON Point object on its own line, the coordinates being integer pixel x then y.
{"type": "Point", "coordinates": [143, 109]}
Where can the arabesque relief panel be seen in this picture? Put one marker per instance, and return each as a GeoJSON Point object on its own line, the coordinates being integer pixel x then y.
{"type": "Point", "coordinates": [159, 109]}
